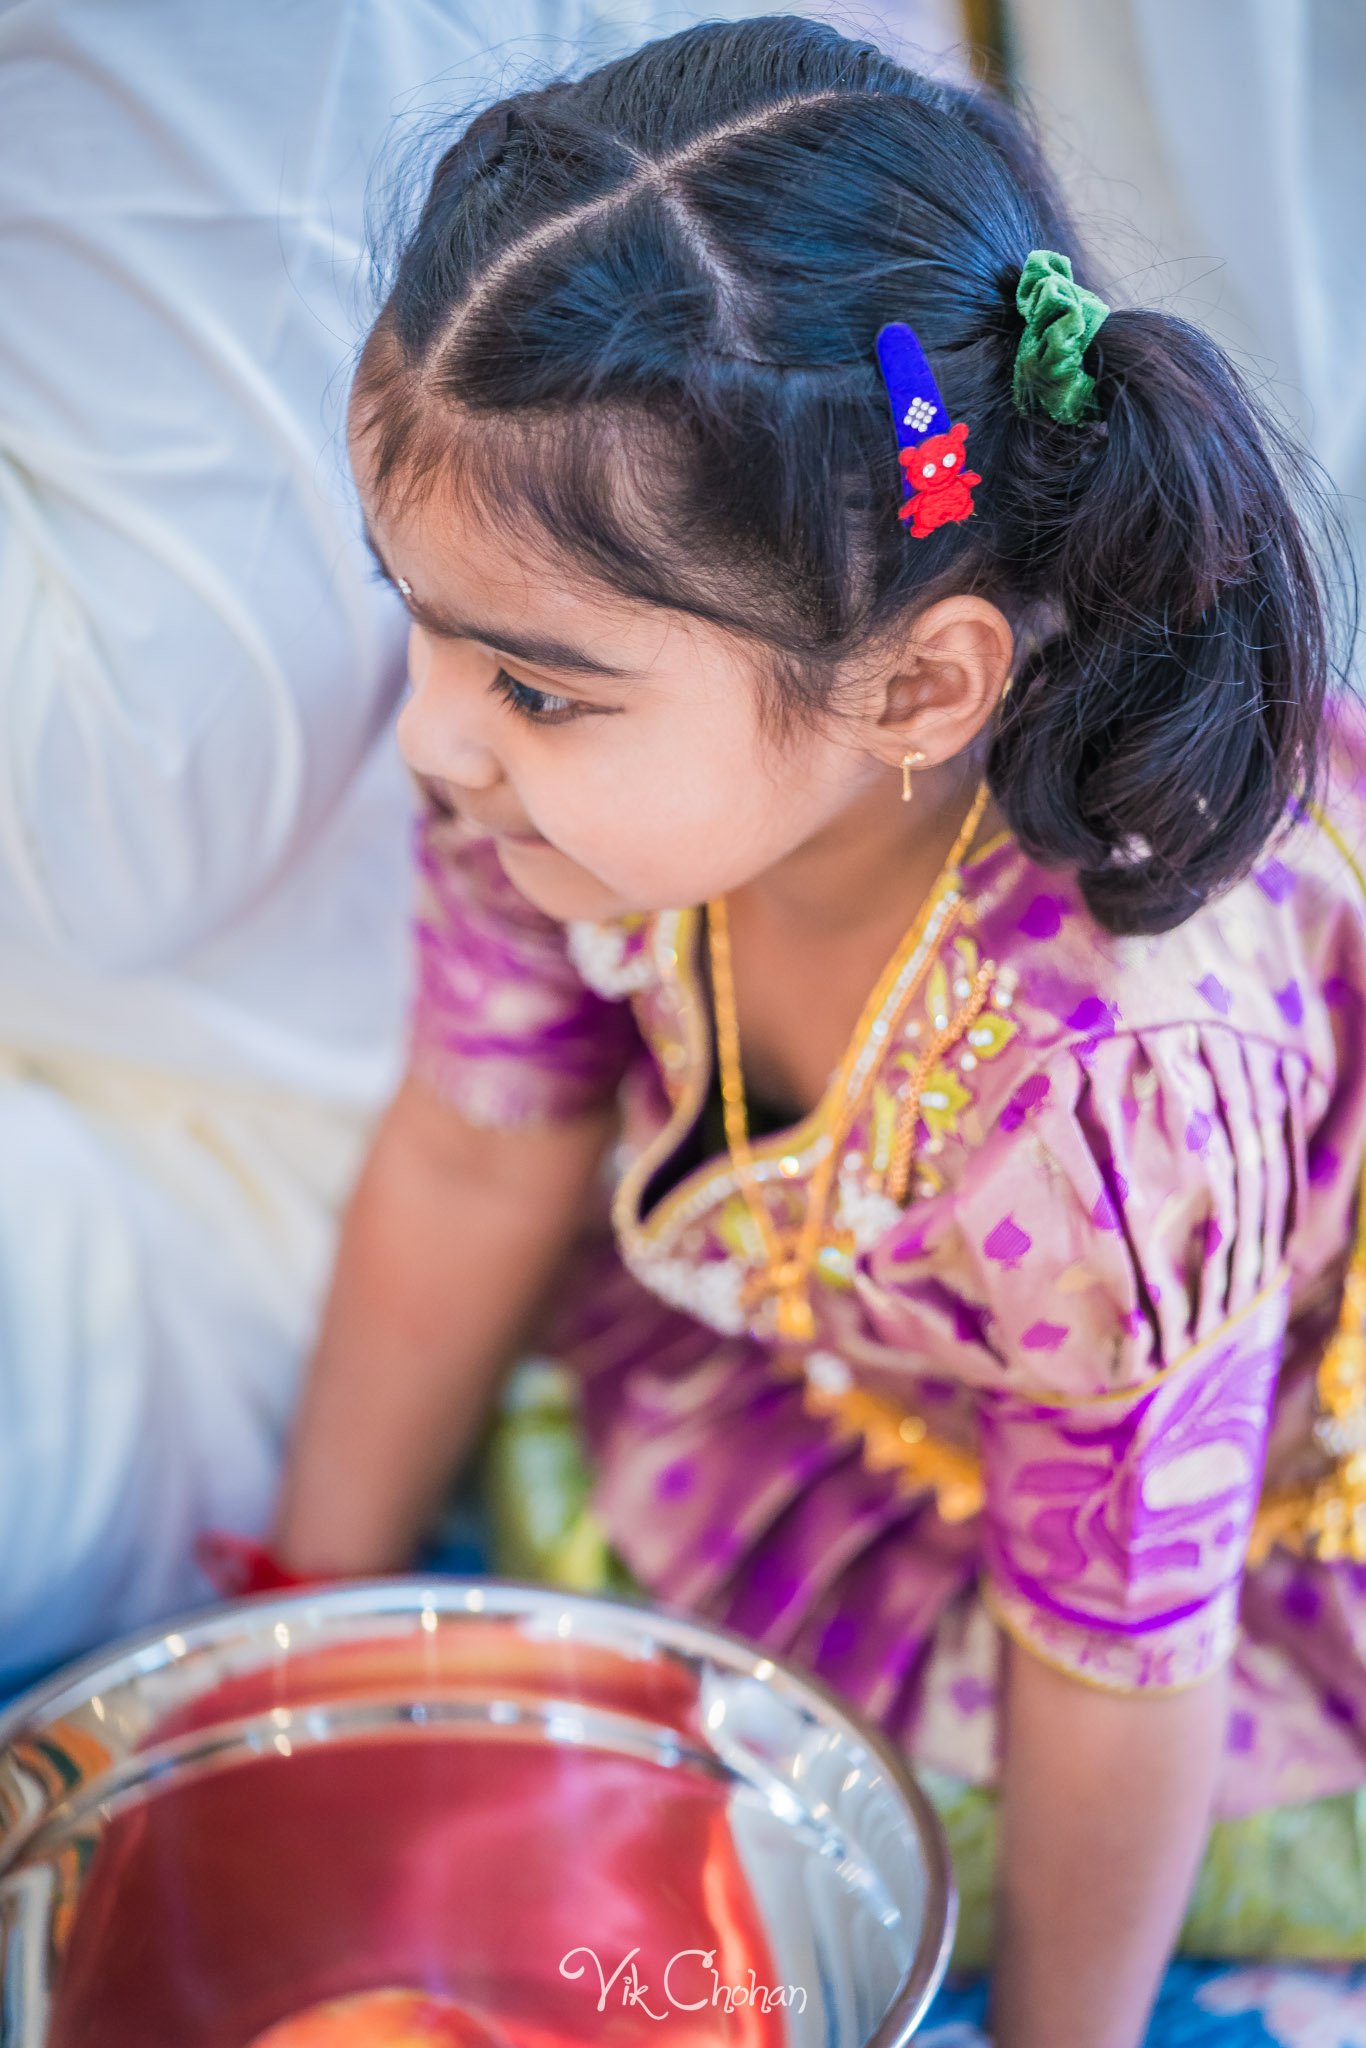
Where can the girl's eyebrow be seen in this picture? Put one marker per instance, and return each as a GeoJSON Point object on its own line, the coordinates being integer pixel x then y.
{"type": "Point", "coordinates": [542, 652]}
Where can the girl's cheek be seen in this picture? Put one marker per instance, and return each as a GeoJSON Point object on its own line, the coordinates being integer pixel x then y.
{"type": "Point", "coordinates": [409, 729]}
{"type": "Point", "coordinates": [419, 657]}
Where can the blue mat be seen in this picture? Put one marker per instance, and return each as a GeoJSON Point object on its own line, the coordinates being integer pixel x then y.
{"type": "Point", "coordinates": [1210, 2005]}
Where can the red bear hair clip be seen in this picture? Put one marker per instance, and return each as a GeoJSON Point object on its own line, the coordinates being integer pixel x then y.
{"type": "Point", "coordinates": [933, 453]}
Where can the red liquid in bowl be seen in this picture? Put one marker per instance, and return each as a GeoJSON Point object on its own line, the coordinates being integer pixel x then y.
{"type": "Point", "coordinates": [465, 1868]}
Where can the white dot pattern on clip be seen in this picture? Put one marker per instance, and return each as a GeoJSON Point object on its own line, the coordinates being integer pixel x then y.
{"type": "Point", "coordinates": [920, 414]}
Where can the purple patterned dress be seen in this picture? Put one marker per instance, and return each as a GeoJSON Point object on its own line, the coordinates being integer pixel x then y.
{"type": "Point", "coordinates": [1094, 1323]}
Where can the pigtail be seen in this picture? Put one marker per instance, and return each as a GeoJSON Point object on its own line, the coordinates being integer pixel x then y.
{"type": "Point", "coordinates": [1161, 736]}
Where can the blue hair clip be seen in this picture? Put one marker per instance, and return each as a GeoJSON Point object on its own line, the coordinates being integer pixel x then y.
{"type": "Point", "coordinates": [933, 453]}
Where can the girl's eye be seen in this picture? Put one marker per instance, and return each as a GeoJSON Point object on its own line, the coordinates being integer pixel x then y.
{"type": "Point", "coordinates": [536, 705]}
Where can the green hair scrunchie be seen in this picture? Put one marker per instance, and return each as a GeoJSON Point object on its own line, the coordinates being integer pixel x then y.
{"type": "Point", "coordinates": [1061, 320]}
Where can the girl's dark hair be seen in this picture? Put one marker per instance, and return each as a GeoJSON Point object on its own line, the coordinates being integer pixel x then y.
{"type": "Point", "coordinates": [637, 315]}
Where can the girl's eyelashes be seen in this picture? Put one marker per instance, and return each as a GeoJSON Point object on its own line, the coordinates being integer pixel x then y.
{"type": "Point", "coordinates": [539, 706]}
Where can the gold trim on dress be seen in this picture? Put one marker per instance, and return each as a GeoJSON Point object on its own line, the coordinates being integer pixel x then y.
{"type": "Point", "coordinates": [783, 1157]}
{"type": "Point", "coordinates": [1039, 1397]}
{"type": "Point", "coordinates": [675, 944]}
{"type": "Point", "coordinates": [1010, 1626]}
{"type": "Point", "coordinates": [1326, 1519]}
{"type": "Point", "coordinates": [894, 1439]}
{"type": "Point", "coordinates": [898, 1439]}
{"type": "Point", "coordinates": [790, 1256]}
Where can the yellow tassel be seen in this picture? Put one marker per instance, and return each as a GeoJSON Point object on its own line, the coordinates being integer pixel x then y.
{"type": "Point", "coordinates": [1341, 1378]}
{"type": "Point", "coordinates": [1335, 1526]}
{"type": "Point", "coordinates": [895, 1441]}
{"type": "Point", "coordinates": [793, 1316]}
{"type": "Point", "coordinates": [1280, 1519]}
{"type": "Point", "coordinates": [1334, 1523]}
{"type": "Point", "coordinates": [787, 1280]}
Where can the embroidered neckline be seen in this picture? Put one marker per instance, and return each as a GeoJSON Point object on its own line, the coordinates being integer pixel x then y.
{"type": "Point", "coordinates": [784, 1156]}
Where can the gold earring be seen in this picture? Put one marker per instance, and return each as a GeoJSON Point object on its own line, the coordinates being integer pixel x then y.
{"type": "Point", "coordinates": [909, 761]}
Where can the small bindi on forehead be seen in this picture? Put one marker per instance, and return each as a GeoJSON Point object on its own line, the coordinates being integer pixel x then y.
{"type": "Point", "coordinates": [542, 650]}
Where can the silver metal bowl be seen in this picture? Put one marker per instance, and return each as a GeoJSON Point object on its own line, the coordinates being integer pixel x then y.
{"type": "Point", "coordinates": [578, 1817]}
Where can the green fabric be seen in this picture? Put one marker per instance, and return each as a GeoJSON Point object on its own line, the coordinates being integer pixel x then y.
{"type": "Point", "coordinates": [1061, 320]}
{"type": "Point", "coordinates": [535, 1485]}
{"type": "Point", "coordinates": [1290, 1882]}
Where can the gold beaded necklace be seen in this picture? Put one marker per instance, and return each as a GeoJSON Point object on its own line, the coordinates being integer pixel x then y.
{"type": "Point", "coordinates": [790, 1258]}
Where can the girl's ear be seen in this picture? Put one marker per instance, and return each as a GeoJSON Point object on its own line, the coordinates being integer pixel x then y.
{"type": "Point", "coordinates": [936, 691]}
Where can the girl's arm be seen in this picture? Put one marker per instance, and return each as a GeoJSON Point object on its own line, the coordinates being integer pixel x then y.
{"type": "Point", "coordinates": [449, 1241]}
{"type": "Point", "coordinates": [1106, 1802]}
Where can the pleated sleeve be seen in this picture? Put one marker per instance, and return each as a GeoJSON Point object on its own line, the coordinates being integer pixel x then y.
{"type": "Point", "coordinates": [1109, 1275]}
{"type": "Point", "coordinates": [502, 1023]}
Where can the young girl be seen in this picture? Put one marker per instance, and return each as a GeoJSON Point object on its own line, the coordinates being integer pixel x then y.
{"type": "Point", "coordinates": [930, 921]}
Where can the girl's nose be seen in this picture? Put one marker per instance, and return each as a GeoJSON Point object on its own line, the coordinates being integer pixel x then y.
{"type": "Point", "coordinates": [437, 734]}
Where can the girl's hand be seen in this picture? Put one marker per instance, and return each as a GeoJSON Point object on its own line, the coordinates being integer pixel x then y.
{"type": "Point", "coordinates": [1106, 1801]}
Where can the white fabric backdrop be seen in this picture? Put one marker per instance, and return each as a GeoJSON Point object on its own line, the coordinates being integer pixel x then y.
{"type": "Point", "coordinates": [203, 857]}
{"type": "Point", "coordinates": [1218, 148]}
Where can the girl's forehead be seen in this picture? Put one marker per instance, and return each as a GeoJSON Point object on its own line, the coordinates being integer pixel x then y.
{"type": "Point", "coordinates": [470, 576]}
{"type": "Point", "coordinates": [563, 529]}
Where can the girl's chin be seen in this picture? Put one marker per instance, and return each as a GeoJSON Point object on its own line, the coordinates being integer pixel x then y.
{"type": "Point", "coordinates": [556, 884]}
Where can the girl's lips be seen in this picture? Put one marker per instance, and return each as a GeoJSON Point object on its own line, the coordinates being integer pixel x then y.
{"type": "Point", "coordinates": [447, 800]}
{"type": "Point", "coordinates": [521, 837]}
